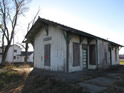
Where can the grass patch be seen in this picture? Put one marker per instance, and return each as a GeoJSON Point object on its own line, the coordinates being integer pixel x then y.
{"type": "Point", "coordinates": [15, 65]}
{"type": "Point", "coordinates": [45, 84]}
{"type": "Point", "coordinates": [8, 77]}
{"type": "Point", "coordinates": [121, 62]}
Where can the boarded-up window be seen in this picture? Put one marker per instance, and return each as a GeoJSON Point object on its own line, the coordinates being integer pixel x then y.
{"type": "Point", "coordinates": [76, 54]}
{"type": "Point", "coordinates": [92, 54]}
{"type": "Point", "coordinates": [47, 52]}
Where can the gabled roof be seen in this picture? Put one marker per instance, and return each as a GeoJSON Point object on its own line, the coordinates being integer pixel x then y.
{"type": "Point", "coordinates": [121, 56]}
{"type": "Point", "coordinates": [40, 22]}
{"type": "Point", "coordinates": [10, 45]}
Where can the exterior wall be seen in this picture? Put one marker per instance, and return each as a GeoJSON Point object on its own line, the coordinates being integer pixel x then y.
{"type": "Point", "coordinates": [22, 58]}
{"type": "Point", "coordinates": [103, 55]}
{"type": "Point", "coordinates": [58, 49]}
{"type": "Point", "coordinates": [114, 61]}
{"type": "Point", "coordinates": [91, 66]}
{"type": "Point", "coordinates": [0, 55]}
{"type": "Point", "coordinates": [0, 50]}
{"type": "Point", "coordinates": [0, 58]}
{"type": "Point", "coordinates": [72, 68]}
{"type": "Point", "coordinates": [30, 59]}
{"type": "Point", "coordinates": [11, 54]}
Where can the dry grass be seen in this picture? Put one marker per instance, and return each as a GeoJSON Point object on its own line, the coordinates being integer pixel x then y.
{"type": "Point", "coordinates": [16, 65]}
{"type": "Point", "coordinates": [121, 62]}
{"type": "Point", "coordinates": [12, 81]}
{"type": "Point", "coordinates": [45, 84]}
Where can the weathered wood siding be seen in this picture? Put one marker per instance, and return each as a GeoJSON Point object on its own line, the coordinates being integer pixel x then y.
{"type": "Point", "coordinates": [58, 49]}
{"type": "Point", "coordinates": [76, 39]}
{"type": "Point", "coordinates": [92, 42]}
{"type": "Point", "coordinates": [11, 54]}
{"type": "Point", "coordinates": [103, 55]}
{"type": "Point", "coordinates": [115, 57]}
{"type": "Point", "coordinates": [58, 56]}
{"type": "Point", "coordinates": [72, 68]}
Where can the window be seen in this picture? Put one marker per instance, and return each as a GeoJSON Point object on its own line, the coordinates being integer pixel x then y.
{"type": "Point", "coordinates": [92, 54]}
{"type": "Point", "coordinates": [76, 54]}
{"type": "Point", "coordinates": [17, 57]}
{"type": "Point", "coordinates": [14, 57]}
{"type": "Point", "coordinates": [15, 50]}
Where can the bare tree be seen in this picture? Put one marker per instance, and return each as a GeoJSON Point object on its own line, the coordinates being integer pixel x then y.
{"type": "Point", "coordinates": [10, 10]}
{"type": "Point", "coordinates": [26, 46]}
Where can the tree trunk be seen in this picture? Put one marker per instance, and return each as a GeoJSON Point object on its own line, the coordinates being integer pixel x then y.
{"type": "Point", "coordinates": [4, 55]}
{"type": "Point", "coordinates": [2, 48]}
{"type": "Point", "coordinates": [2, 43]}
{"type": "Point", "coordinates": [26, 52]}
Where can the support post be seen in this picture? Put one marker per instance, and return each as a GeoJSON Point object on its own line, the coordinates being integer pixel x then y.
{"type": "Point", "coordinates": [81, 39]}
{"type": "Point", "coordinates": [96, 54]}
{"type": "Point", "coordinates": [68, 37]}
{"type": "Point", "coordinates": [67, 56]}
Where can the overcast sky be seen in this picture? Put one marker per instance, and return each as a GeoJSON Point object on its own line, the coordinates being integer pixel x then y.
{"type": "Point", "coordinates": [103, 18]}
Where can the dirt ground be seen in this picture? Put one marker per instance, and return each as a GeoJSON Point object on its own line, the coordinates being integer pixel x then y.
{"type": "Point", "coordinates": [91, 81]}
{"type": "Point", "coordinates": [108, 81]}
{"type": "Point", "coordinates": [12, 80]}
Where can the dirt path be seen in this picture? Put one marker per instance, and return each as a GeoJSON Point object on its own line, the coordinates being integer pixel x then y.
{"type": "Point", "coordinates": [19, 69]}
{"type": "Point", "coordinates": [2, 70]}
{"type": "Point", "coordinates": [24, 69]}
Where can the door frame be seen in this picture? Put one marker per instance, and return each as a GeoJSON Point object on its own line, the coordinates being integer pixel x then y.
{"type": "Point", "coordinates": [85, 47]}
{"type": "Point", "coordinates": [47, 47]}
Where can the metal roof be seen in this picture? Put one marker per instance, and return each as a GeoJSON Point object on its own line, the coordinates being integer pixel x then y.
{"type": "Point", "coordinates": [40, 22]}
{"type": "Point", "coordinates": [23, 53]}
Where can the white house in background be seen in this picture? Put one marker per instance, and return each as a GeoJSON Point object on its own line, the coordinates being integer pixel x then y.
{"type": "Point", "coordinates": [15, 54]}
{"type": "Point", "coordinates": [12, 52]}
{"type": "Point", "coordinates": [61, 48]}
{"type": "Point", "coordinates": [22, 56]}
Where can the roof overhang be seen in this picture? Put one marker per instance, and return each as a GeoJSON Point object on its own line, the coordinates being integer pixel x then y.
{"type": "Point", "coordinates": [40, 23]}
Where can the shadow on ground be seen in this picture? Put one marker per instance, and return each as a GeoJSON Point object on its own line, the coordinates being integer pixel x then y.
{"type": "Point", "coordinates": [42, 81]}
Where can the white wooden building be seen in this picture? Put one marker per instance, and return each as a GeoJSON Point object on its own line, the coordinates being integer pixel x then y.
{"type": "Point", "coordinates": [12, 52]}
{"type": "Point", "coordinates": [15, 54]}
{"type": "Point", "coordinates": [22, 56]}
{"type": "Point", "coordinates": [61, 48]}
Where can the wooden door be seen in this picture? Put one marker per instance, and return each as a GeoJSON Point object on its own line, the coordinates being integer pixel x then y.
{"type": "Point", "coordinates": [76, 54]}
{"type": "Point", "coordinates": [110, 55]}
{"type": "Point", "coordinates": [47, 54]}
{"type": "Point", "coordinates": [92, 54]}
